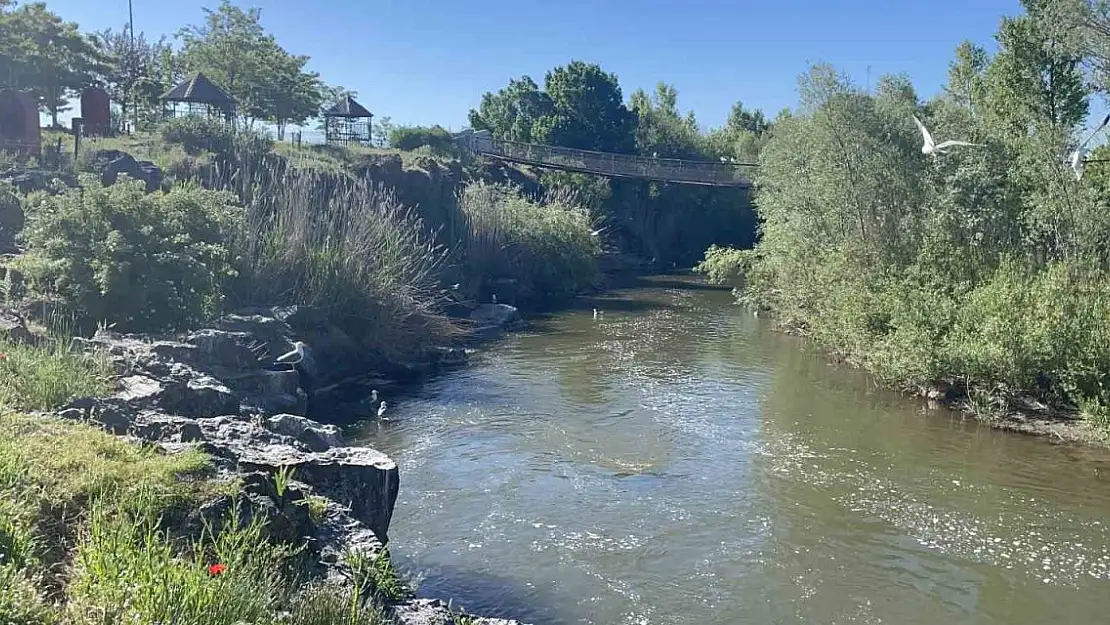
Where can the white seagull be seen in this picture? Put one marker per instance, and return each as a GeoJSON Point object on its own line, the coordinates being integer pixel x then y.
{"type": "Point", "coordinates": [933, 148]}
{"type": "Point", "coordinates": [1079, 156]}
{"type": "Point", "coordinates": [381, 411]}
{"type": "Point", "coordinates": [294, 356]}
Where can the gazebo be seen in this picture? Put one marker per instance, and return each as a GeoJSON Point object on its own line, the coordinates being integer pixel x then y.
{"type": "Point", "coordinates": [200, 96]}
{"type": "Point", "coordinates": [347, 122]}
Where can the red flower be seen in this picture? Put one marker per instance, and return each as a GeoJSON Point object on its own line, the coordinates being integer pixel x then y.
{"type": "Point", "coordinates": [3, 355]}
{"type": "Point", "coordinates": [216, 569]}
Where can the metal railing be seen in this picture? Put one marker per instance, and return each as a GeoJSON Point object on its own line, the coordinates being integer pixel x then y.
{"type": "Point", "coordinates": [609, 164]}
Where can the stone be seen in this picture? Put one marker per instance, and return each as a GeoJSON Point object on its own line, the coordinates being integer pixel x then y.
{"type": "Point", "coordinates": [498, 315]}
{"type": "Point", "coordinates": [12, 218]}
{"type": "Point", "coordinates": [200, 396]}
{"type": "Point", "coordinates": [158, 428]}
{"type": "Point", "coordinates": [13, 328]}
{"type": "Point", "coordinates": [139, 389]}
{"type": "Point", "coordinates": [225, 349]}
{"type": "Point", "coordinates": [315, 436]}
{"type": "Point", "coordinates": [364, 479]}
{"type": "Point", "coordinates": [110, 414]}
{"type": "Point", "coordinates": [111, 164]}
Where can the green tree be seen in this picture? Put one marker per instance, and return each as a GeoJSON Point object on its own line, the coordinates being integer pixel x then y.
{"type": "Point", "coordinates": [966, 75]}
{"type": "Point", "coordinates": [511, 113]}
{"type": "Point", "coordinates": [132, 73]}
{"type": "Point", "coordinates": [588, 110]}
{"type": "Point", "coordinates": [45, 54]}
{"type": "Point", "coordinates": [661, 129]}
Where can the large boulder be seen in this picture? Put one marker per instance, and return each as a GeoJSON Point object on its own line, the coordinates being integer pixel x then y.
{"type": "Point", "coordinates": [110, 164]}
{"type": "Point", "coordinates": [13, 328]}
{"type": "Point", "coordinates": [364, 479]}
{"type": "Point", "coordinates": [315, 436]}
{"type": "Point", "coordinates": [495, 315]}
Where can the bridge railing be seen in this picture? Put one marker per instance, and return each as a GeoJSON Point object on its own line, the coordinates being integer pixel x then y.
{"type": "Point", "coordinates": [673, 169]}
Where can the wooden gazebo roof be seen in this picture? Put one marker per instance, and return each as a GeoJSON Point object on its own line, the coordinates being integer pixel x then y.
{"type": "Point", "coordinates": [347, 107]}
{"type": "Point", "coordinates": [199, 90]}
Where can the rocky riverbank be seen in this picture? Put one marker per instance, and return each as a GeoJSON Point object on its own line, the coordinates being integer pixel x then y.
{"type": "Point", "coordinates": [218, 390]}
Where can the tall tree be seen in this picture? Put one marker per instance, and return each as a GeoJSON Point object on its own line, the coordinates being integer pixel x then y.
{"type": "Point", "coordinates": [512, 112]}
{"type": "Point", "coordinates": [132, 75]}
{"type": "Point", "coordinates": [966, 75]}
{"type": "Point", "coordinates": [45, 54]}
{"type": "Point", "coordinates": [589, 111]}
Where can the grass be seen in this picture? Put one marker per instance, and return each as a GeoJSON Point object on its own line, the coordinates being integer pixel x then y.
{"type": "Point", "coordinates": [349, 248]}
{"type": "Point", "coordinates": [547, 247]}
{"type": "Point", "coordinates": [46, 375]}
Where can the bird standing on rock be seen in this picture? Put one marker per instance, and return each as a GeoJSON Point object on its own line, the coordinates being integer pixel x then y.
{"type": "Point", "coordinates": [295, 356]}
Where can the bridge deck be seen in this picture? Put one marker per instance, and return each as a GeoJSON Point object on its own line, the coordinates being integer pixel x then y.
{"type": "Point", "coordinates": [609, 164]}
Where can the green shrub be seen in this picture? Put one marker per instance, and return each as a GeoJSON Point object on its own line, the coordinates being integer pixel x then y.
{"type": "Point", "coordinates": [725, 266]}
{"type": "Point", "coordinates": [547, 248]}
{"type": "Point", "coordinates": [119, 255]}
{"type": "Point", "coordinates": [197, 134]}
{"type": "Point", "coordinates": [350, 249]}
{"type": "Point", "coordinates": [437, 138]}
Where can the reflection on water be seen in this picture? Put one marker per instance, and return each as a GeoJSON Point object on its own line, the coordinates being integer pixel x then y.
{"type": "Point", "coordinates": [674, 461]}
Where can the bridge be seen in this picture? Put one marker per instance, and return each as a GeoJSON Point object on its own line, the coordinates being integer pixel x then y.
{"type": "Point", "coordinates": [681, 171]}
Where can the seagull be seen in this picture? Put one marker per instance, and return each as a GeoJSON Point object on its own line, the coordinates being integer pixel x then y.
{"type": "Point", "coordinates": [374, 395]}
{"type": "Point", "coordinates": [495, 298]}
{"type": "Point", "coordinates": [595, 313]}
{"type": "Point", "coordinates": [1079, 156]}
{"type": "Point", "coordinates": [295, 356]}
{"type": "Point", "coordinates": [933, 148]}
{"type": "Point", "coordinates": [381, 411]}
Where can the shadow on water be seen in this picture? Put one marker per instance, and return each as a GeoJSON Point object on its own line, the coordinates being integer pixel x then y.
{"type": "Point", "coordinates": [492, 596]}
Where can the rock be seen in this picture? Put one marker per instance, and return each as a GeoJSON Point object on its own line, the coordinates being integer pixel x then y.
{"type": "Point", "coordinates": [364, 479]}
{"type": "Point", "coordinates": [13, 328]}
{"type": "Point", "coordinates": [436, 612]}
{"type": "Point", "coordinates": [140, 390]}
{"type": "Point", "coordinates": [110, 414]}
{"type": "Point", "coordinates": [200, 396]}
{"type": "Point", "coordinates": [11, 214]}
{"type": "Point", "coordinates": [447, 357]}
{"type": "Point", "coordinates": [315, 436]}
{"type": "Point", "coordinates": [498, 315]}
{"type": "Point", "coordinates": [112, 163]}
{"type": "Point", "coordinates": [225, 349]}
{"type": "Point", "coordinates": [232, 434]}
{"type": "Point", "coordinates": [156, 428]}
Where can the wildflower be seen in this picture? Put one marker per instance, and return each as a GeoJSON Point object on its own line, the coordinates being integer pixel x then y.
{"type": "Point", "coordinates": [216, 569]}
{"type": "Point", "coordinates": [3, 355]}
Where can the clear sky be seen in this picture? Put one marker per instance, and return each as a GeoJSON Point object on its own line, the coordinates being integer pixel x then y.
{"type": "Point", "coordinates": [429, 61]}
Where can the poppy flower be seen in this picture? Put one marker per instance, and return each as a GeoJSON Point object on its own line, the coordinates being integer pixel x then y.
{"type": "Point", "coordinates": [216, 569]}
{"type": "Point", "coordinates": [3, 355]}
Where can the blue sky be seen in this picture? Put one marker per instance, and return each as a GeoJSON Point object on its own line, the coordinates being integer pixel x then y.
{"type": "Point", "coordinates": [427, 62]}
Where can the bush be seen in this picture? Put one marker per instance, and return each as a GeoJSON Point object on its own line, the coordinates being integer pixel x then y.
{"type": "Point", "coordinates": [198, 134]}
{"type": "Point", "coordinates": [118, 255]}
{"type": "Point", "coordinates": [548, 248]}
{"type": "Point", "coordinates": [350, 249]}
{"type": "Point", "coordinates": [725, 265]}
{"type": "Point", "coordinates": [437, 138]}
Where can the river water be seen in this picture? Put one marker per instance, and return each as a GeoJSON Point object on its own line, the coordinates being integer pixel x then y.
{"type": "Point", "coordinates": [676, 461]}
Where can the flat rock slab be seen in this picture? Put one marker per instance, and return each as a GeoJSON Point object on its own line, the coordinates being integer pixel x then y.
{"type": "Point", "coordinates": [363, 479]}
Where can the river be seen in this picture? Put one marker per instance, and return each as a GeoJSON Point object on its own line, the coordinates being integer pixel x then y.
{"type": "Point", "coordinates": [675, 461]}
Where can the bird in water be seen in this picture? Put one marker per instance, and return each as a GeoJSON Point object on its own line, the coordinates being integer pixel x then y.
{"type": "Point", "coordinates": [595, 313]}
{"type": "Point", "coordinates": [381, 412]}
{"type": "Point", "coordinates": [295, 356]}
{"type": "Point", "coordinates": [495, 298]}
{"type": "Point", "coordinates": [932, 148]}
{"type": "Point", "coordinates": [1078, 160]}
{"type": "Point", "coordinates": [374, 396]}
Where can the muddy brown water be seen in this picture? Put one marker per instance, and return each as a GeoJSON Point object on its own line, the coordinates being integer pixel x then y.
{"type": "Point", "coordinates": [676, 461]}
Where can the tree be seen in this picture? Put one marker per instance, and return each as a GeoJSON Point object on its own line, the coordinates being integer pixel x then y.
{"type": "Point", "coordinates": [660, 129]}
{"type": "Point", "coordinates": [381, 132]}
{"type": "Point", "coordinates": [292, 95]}
{"type": "Point", "coordinates": [46, 55]}
{"type": "Point", "coordinates": [132, 75]}
{"type": "Point", "coordinates": [1036, 79]}
{"type": "Point", "coordinates": [966, 75]}
{"type": "Point", "coordinates": [588, 110]}
{"type": "Point", "coordinates": [511, 113]}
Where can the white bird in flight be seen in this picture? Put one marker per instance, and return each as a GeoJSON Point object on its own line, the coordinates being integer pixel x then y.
{"type": "Point", "coordinates": [294, 356]}
{"type": "Point", "coordinates": [1079, 156]}
{"type": "Point", "coordinates": [931, 147]}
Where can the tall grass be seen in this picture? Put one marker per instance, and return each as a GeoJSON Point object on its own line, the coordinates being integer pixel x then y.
{"type": "Point", "coordinates": [47, 374]}
{"type": "Point", "coordinates": [547, 247]}
{"type": "Point", "coordinates": [349, 248]}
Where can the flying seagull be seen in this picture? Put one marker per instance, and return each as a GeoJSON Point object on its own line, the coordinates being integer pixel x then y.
{"type": "Point", "coordinates": [295, 356]}
{"type": "Point", "coordinates": [1079, 156]}
{"type": "Point", "coordinates": [933, 148]}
